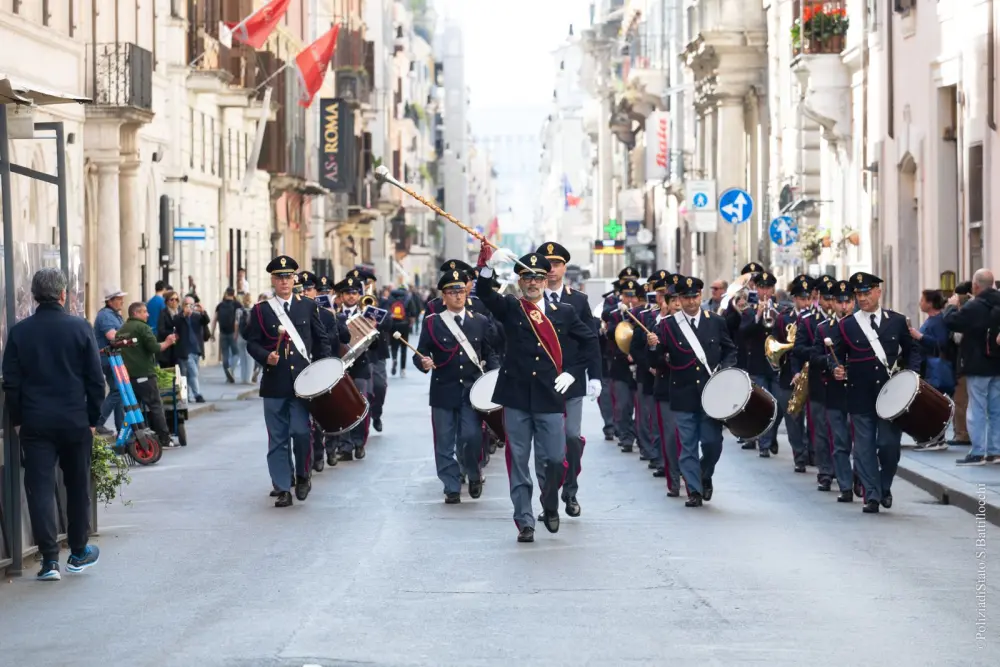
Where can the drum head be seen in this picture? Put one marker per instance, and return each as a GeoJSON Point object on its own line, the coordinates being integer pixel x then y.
{"type": "Point", "coordinates": [726, 393]}
{"type": "Point", "coordinates": [897, 394]}
{"type": "Point", "coordinates": [481, 394]}
{"type": "Point", "coordinates": [318, 377]}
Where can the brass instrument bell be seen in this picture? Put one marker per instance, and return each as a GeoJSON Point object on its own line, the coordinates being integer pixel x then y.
{"type": "Point", "coordinates": [623, 336]}
{"type": "Point", "coordinates": [774, 349]}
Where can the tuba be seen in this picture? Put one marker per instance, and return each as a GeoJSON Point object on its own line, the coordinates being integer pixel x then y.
{"type": "Point", "coordinates": [775, 350]}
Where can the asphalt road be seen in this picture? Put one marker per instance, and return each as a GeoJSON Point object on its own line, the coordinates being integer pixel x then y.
{"type": "Point", "coordinates": [202, 570]}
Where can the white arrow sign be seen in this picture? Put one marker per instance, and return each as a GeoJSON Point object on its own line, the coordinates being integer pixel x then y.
{"type": "Point", "coordinates": [735, 209]}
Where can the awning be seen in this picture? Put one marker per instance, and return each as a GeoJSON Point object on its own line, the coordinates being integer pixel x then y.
{"type": "Point", "coordinates": [18, 91]}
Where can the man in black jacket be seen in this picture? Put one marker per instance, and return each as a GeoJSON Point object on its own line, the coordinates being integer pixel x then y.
{"type": "Point", "coordinates": [979, 323]}
{"type": "Point", "coordinates": [54, 388]}
{"type": "Point", "coordinates": [285, 334]}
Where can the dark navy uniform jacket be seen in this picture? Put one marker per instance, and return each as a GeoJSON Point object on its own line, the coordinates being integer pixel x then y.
{"type": "Point", "coordinates": [52, 376]}
{"type": "Point", "coordinates": [822, 364]}
{"type": "Point", "coordinates": [657, 359]}
{"type": "Point", "coordinates": [687, 374]}
{"type": "Point", "coordinates": [734, 321]}
{"type": "Point", "coordinates": [781, 322]}
{"type": "Point", "coordinates": [527, 376]}
{"type": "Point", "coordinates": [752, 337]}
{"type": "Point", "coordinates": [476, 305]}
{"type": "Point", "coordinates": [620, 365]}
{"type": "Point", "coordinates": [865, 373]}
{"type": "Point", "coordinates": [639, 350]}
{"type": "Point", "coordinates": [574, 365]}
{"type": "Point", "coordinates": [454, 373]}
{"type": "Point", "coordinates": [262, 337]}
{"type": "Point", "coordinates": [806, 338]}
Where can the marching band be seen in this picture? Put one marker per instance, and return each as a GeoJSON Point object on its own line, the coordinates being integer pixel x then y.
{"type": "Point", "coordinates": [512, 371]}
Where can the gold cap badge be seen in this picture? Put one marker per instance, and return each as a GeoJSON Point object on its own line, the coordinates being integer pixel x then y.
{"type": "Point", "coordinates": [534, 260]}
{"type": "Point", "coordinates": [350, 281]}
{"type": "Point", "coordinates": [551, 248]}
{"type": "Point", "coordinates": [860, 278]}
{"type": "Point", "coordinates": [690, 282]}
{"type": "Point", "coordinates": [451, 264]}
{"type": "Point", "coordinates": [283, 261]}
{"type": "Point", "coordinates": [455, 274]}
{"type": "Point", "coordinates": [843, 286]}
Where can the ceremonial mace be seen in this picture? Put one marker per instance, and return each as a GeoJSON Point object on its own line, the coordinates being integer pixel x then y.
{"type": "Point", "coordinates": [383, 175]}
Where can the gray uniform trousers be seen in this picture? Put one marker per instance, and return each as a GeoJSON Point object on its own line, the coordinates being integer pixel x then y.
{"type": "Point", "coordinates": [606, 403]}
{"type": "Point", "coordinates": [669, 444]}
{"type": "Point", "coordinates": [876, 453]}
{"type": "Point", "coordinates": [287, 421]}
{"type": "Point", "coordinates": [696, 428]}
{"type": "Point", "coordinates": [358, 436]}
{"type": "Point", "coordinates": [624, 396]}
{"type": "Point", "coordinates": [819, 435]}
{"type": "Point", "coordinates": [574, 447]}
{"type": "Point", "coordinates": [548, 432]}
{"type": "Point", "coordinates": [379, 388]}
{"type": "Point", "coordinates": [796, 426]}
{"type": "Point", "coordinates": [457, 437]}
{"type": "Point", "coordinates": [840, 428]}
{"type": "Point", "coordinates": [647, 426]}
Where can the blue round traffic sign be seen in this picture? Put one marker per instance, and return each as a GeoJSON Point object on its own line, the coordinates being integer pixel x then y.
{"type": "Point", "coordinates": [784, 231]}
{"type": "Point", "coordinates": [700, 200]}
{"type": "Point", "coordinates": [735, 206]}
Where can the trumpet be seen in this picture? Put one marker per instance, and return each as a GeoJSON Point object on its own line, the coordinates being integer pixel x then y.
{"type": "Point", "coordinates": [770, 311]}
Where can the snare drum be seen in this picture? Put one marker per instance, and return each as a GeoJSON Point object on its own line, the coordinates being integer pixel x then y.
{"type": "Point", "coordinates": [481, 397]}
{"type": "Point", "coordinates": [920, 410]}
{"type": "Point", "coordinates": [331, 396]}
{"type": "Point", "coordinates": [747, 409]}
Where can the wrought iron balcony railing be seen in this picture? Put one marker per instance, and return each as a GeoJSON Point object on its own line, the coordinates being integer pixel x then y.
{"type": "Point", "coordinates": [121, 75]}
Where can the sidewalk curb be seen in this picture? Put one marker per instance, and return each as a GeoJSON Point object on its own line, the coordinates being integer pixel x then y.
{"type": "Point", "coordinates": [207, 408]}
{"type": "Point", "coordinates": [947, 494]}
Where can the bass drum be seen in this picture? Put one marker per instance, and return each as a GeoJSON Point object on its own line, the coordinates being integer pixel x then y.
{"type": "Point", "coordinates": [331, 396]}
{"type": "Point", "coordinates": [918, 409]}
{"type": "Point", "coordinates": [481, 397]}
{"type": "Point", "coordinates": [747, 409]}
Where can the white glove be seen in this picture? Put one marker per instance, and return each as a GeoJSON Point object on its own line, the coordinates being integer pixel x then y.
{"type": "Point", "coordinates": [593, 389]}
{"type": "Point", "coordinates": [564, 381]}
{"type": "Point", "coordinates": [500, 257]}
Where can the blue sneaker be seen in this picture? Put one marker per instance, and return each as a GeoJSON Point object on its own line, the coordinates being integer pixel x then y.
{"type": "Point", "coordinates": [49, 571]}
{"type": "Point", "coordinates": [79, 563]}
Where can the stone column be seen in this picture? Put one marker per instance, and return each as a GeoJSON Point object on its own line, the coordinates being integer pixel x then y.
{"type": "Point", "coordinates": [131, 230]}
{"type": "Point", "coordinates": [731, 172]}
{"type": "Point", "coordinates": [109, 259]}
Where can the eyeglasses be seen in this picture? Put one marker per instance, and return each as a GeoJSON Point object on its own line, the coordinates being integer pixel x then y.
{"type": "Point", "coordinates": [173, 299]}
{"type": "Point", "coordinates": [533, 279]}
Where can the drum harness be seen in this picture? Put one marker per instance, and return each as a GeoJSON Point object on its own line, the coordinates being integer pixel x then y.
{"type": "Point", "coordinates": [456, 331]}
{"type": "Point", "coordinates": [290, 329]}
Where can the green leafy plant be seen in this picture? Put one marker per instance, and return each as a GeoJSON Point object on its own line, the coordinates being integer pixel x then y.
{"type": "Point", "coordinates": [108, 471]}
{"type": "Point", "coordinates": [164, 378]}
{"type": "Point", "coordinates": [811, 242]}
{"type": "Point", "coordinates": [819, 23]}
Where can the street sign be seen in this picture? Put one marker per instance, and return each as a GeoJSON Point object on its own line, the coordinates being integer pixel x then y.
{"type": "Point", "coordinates": [784, 231]}
{"type": "Point", "coordinates": [735, 206]}
{"type": "Point", "coordinates": [612, 229]}
{"type": "Point", "coordinates": [609, 247]}
{"type": "Point", "coordinates": [784, 255]}
{"type": "Point", "coordinates": [701, 194]}
{"type": "Point", "coordinates": [189, 234]}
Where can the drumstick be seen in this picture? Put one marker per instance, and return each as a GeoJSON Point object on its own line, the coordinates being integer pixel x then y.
{"type": "Point", "coordinates": [398, 336]}
{"type": "Point", "coordinates": [622, 307]}
{"type": "Point", "coordinates": [829, 344]}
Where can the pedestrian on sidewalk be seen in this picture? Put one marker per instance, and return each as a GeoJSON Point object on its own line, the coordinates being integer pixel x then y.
{"type": "Point", "coordinates": [106, 325]}
{"type": "Point", "coordinates": [979, 323]}
{"type": "Point", "coordinates": [140, 362]}
{"type": "Point", "coordinates": [933, 339]}
{"type": "Point", "coordinates": [190, 324]}
{"type": "Point", "coordinates": [53, 388]}
{"type": "Point", "coordinates": [243, 317]}
{"type": "Point", "coordinates": [226, 316]}
{"type": "Point", "coordinates": [156, 304]}
{"type": "Point", "coordinates": [960, 428]}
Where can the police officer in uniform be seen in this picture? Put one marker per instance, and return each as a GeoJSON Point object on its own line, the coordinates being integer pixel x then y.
{"type": "Point", "coordinates": [533, 381]}
{"type": "Point", "coordinates": [754, 331]}
{"type": "Point", "coordinates": [623, 385]}
{"type": "Point", "coordinates": [378, 355]}
{"type": "Point", "coordinates": [872, 343]}
{"type": "Point", "coordinates": [667, 466]}
{"type": "Point", "coordinates": [605, 401]}
{"type": "Point", "coordinates": [647, 430]}
{"type": "Point", "coordinates": [807, 340]}
{"type": "Point", "coordinates": [697, 343]}
{"type": "Point", "coordinates": [836, 391]}
{"type": "Point", "coordinates": [454, 347]}
{"type": "Point", "coordinates": [557, 292]}
{"type": "Point", "coordinates": [351, 445]}
{"type": "Point", "coordinates": [284, 350]}
{"type": "Point", "coordinates": [312, 287]}
{"type": "Point", "coordinates": [800, 290]}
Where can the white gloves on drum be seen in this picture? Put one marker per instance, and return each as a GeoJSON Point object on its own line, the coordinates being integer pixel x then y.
{"type": "Point", "coordinates": [501, 256]}
{"type": "Point", "coordinates": [564, 381]}
{"type": "Point", "coordinates": [594, 389]}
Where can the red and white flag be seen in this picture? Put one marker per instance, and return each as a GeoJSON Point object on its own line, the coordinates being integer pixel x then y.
{"type": "Point", "coordinates": [312, 64]}
{"type": "Point", "coordinates": [256, 28]}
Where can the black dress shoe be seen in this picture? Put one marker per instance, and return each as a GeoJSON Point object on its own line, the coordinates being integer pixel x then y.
{"type": "Point", "coordinates": [452, 498]}
{"type": "Point", "coordinates": [764, 454]}
{"type": "Point", "coordinates": [887, 500]}
{"type": "Point", "coordinates": [572, 507]}
{"type": "Point", "coordinates": [551, 521]}
{"type": "Point", "coordinates": [660, 472]}
{"type": "Point", "coordinates": [653, 465]}
{"type": "Point", "coordinates": [526, 534]}
{"type": "Point", "coordinates": [359, 453]}
{"type": "Point", "coordinates": [332, 459]}
{"type": "Point", "coordinates": [462, 479]}
{"type": "Point", "coordinates": [643, 457]}
{"type": "Point", "coordinates": [274, 491]}
{"type": "Point", "coordinates": [694, 500]}
{"type": "Point", "coordinates": [492, 449]}
{"type": "Point", "coordinates": [774, 448]}
{"type": "Point", "coordinates": [707, 489]}
{"type": "Point", "coordinates": [377, 424]}
{"type": "Point", "coordinates": [824, 485]}
{"type": "Point", "coordinates": [871, 507]}
{"type": "Point", "coordinates": [284, 499]}
{"type": "Point", "coordinates": [845, 497]}
{"type": "Point", "coordinates": [800, 468]}
{"type": "Point", "coordinates": [748, 445]}
{"type": "Point", "coordinates": [475, 489]}
{"type": "Point", "coordinates": [626, 449]}
{"type": "Point", "coordinates": [319, 464]}
{"type": "Point", "coordinates": [303, 485]}
{"type": "Point", "coordinates": [345, 456]}
{"type": "Point", "coordinates": [610, 437]}
{"type": "Point", "coordinates": [673, 494]}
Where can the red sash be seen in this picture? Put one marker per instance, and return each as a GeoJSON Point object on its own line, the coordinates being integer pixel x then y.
{"type": "Point", "coordinates": [545, 332]}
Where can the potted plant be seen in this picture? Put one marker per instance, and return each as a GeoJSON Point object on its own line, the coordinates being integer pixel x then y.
{"type": "Point", "coordinates": [811, 242]}
{"type": "Point", "coordinates": [108, 471]}
{"type": "Point", "coordinates": [822, 28]}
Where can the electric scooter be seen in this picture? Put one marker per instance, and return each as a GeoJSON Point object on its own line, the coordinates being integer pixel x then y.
{"type": "Point", "coordinates": [135, 439]}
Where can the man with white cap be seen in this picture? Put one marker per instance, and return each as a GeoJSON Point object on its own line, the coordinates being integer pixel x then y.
{"type": "Point", "coordinates": [106, 325]}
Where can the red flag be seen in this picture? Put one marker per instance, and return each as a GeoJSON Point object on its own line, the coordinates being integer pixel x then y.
{"type": "Point", "coordinates": [255, 29]}
{"type": "Point", "coordinates": [312, 64]}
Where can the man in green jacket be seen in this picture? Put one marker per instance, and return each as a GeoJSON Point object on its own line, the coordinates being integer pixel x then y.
{"type": "Point", "coordinates": [140, 362]}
